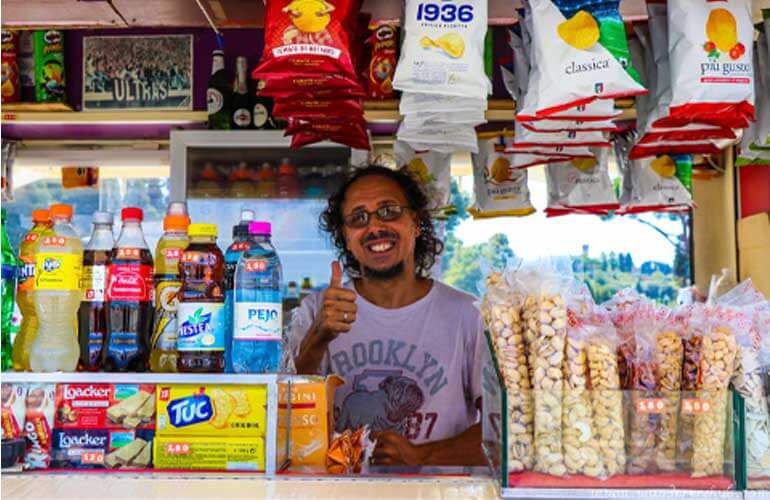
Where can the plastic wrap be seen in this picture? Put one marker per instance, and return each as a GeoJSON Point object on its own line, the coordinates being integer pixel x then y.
{"type": "Point", "coordinates": [669, 355]}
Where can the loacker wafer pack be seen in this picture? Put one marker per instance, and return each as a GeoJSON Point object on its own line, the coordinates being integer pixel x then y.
{"type": "Point", "coordinates": [105, 406]}
{"type": "Point", "coordinates": [102, 448]}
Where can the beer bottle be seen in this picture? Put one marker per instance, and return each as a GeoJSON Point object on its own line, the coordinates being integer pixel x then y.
{"type": "Point", "coordinates": [219, 94]}
{"type": "Point", "coordinates": [241, 108]}
{"type": "Point", "coordinates": [262, 109]}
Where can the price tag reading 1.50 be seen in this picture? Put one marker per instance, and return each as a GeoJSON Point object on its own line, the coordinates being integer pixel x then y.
{"type": "Point", "coordinates": [650, 406]}
{"type": "Point", "coordinates": [695, 406]}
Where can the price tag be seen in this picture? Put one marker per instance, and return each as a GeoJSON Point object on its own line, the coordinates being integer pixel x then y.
{"type": "Point", "coordinates": [695, 406]}
{"type": "Point", "coordinates": [177, 449]}
{"type": "Point", "coordinates": [655, 405]}
{"type": "Point", "coordinates": [92, 458]}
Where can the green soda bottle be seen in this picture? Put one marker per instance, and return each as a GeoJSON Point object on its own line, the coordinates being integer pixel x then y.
{"type": "Point", "coordinates": [10, 268]}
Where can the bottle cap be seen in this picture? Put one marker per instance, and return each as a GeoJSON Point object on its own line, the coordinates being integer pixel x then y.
{"type": "Point", "coordinates": [202, 230]}
{"type": "Point", "coordinates": [177, 208]}
{"type": "Point", "coordinates": [41, 215]}
{"type": "Point", "coordinates": [103, 218]}
{"type": "Point", "coordinates": [247, 215]}
{"type": "Point", "coordinates": [176, 222]}
{"type": "Point", "coordinates": [132, 213]}
{"type": "Point", "coordinates": [260, 227]}
{"type": "Point", "coordinates": [61, 210]}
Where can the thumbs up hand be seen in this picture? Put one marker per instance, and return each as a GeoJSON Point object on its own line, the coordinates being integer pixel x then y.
{"type": "Point", "coordinates": [338, 308]}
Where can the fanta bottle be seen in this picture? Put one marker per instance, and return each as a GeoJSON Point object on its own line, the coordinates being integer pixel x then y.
{"type": "Point", "coordinates": [129, 294]}
{"type": "Point", "coordinates": [41, 226]}
{"type": "Point", "coordinates": [200, 338]}
{"type": "Point", "coordinates": [163, 355]}
{"type": "Point", "coordinates": [58, 270]}
{"type": "Point", "coordinates": [237, 247]}
{"type": "Point", "coordinates": [258, 328]}
{"type": "Point", "coordinates": [92, 315]}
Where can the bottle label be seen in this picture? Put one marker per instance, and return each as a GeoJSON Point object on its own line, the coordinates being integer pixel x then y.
{"type": "Point", "coordinates": [27, 273]}
{"type": "Point", "coordinates": [129, 282]}
{"type": "Point", "coordinates": [122, 348]}
{"type": "Point", "coordinates": [241, 117]}
{"type": "Point", "coordinates": [94, 282]}
{"type": "Point", "coordinates": [260, 115]}
{"type": "Point", "coordinates": [58, 271]}
{"type": "Point", "coordinates": [201, 326]}
{"type": "Point", "coordinates": [258, 321]}
{"type": "Point", "coordinates": [166, 305]}
{"type": "Point", "coordinates": [95, 345]}
{"type": "Point", "coordinates": [214, 101]}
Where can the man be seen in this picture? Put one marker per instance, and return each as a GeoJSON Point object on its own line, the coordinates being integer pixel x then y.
{"type": "Point", "coordinates": [408, 347]}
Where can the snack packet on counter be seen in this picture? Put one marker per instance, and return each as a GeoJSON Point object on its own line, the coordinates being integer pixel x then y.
{"type": "Point", "coordinates": [711, 76]}
{"type": "Point", "coordinates": [432, 169]}
{"type": "Point", "coordinates": [499, 189]}
{"type": "Point", "coordinates": [350, 451]}
{"type": "Point", "coordinates": [382, 63]}
{"type": "Point", "coordinates": [443, 49]}
{"type": "Point", "coordinates": [669, 356]}
{"type": "Point", "coordinates": [105, 406]}
{"type": "Point", "coordinates": [38, 425]}
{"type": "Point", "coordinates": [102, 448]}
{"type": "Point", "coordinates": [580, 186]}
{"type": "Point", "coordinates": [14, 406]}
{"type": "Point", "coordinates": [580, 54]}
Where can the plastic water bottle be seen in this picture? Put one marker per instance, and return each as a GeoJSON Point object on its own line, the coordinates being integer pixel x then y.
{"type": "Point", "coordinates": [232, 255]}
{"type": "Point", "coordinates": [258, 319]}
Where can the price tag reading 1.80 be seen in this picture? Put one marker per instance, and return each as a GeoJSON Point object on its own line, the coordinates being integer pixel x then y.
{"type": "Point", "coordinates": [695, 406]}
{"type": "Point", "coordinates": [650, 406]}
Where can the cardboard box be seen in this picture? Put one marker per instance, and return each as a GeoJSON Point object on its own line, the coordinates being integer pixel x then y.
{"type": "Point", "coordinates": [312, 417]}
{"type": "Point", "coordinates": [212, 410]}
{"type": "Point", "coordinates": [209, 453]}
{"type": "Point", "coordinates": [102, 448]}
{"type": "Point", "coordinates": [105, 406]}
{"type": "Point", "coordinates": [754, 250]}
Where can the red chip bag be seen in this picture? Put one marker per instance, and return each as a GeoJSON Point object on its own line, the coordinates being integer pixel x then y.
{"type": "Point", "coordinates": [647, 150]}
{"type": "Point", "coordinates": [285, 85]}
{"type": "Point", "coordinates": [352, 134]}
{"type": "Point", "coordinates": [309, 37]}
{"type": "Point", "coordinates": [319, 109]}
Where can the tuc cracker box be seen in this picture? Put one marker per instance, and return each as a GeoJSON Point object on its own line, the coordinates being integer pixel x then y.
{"type": "Point", "coordinates": [312, 417]}
{"type": "Point", "coordinates": [102, 448]}
{"type": "Point", "coordinates": [105, 406]}
{"type": "Point", "coordinates": [212, 410]}
{"type": "Point", "coordinates": [210, 453]}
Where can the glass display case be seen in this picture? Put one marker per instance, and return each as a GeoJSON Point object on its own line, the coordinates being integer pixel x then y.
{"type": "Point", "coordinates": [220, 173]}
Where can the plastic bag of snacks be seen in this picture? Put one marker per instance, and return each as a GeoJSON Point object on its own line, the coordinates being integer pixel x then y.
{"type": "Point", "coordinates": [501, 309]}
{"type": "Point", "coordinates": [717, 359]}
{"type": "Point", "coordinates": [691, 322]}
{"type": "Point", "coordinates": [649, 184]}
{"type": "Point", "coordinates": [622, 309]}
{"type": "Point", "coordinates": [711, 75]}
{"type": "Point", "coordinates": [432, 169]}
{"type": "Point", "coordinates": [443, 49]}
{"type": "Point", "coordinates": [580, 52]}
{"type": "Point", "coordinates": [580, 186]}
{"type": "Point", "coordinates": [606, 397]}
{"type": "Point", "coordinates": [669, 355]}
{"type": "Point", "coordinates": [499, 189]}
{"type": "Point", "coordinates": [382, 64]}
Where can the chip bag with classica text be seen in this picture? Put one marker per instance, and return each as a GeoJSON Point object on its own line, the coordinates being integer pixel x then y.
{"type": "Point", "coordinates": [499, 189]}
{"type": "Point", "coordinates": [580, 186]}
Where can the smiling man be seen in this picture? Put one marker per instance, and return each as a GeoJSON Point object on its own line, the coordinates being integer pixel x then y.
{"type": "Point", "coordinates": [408, 346]}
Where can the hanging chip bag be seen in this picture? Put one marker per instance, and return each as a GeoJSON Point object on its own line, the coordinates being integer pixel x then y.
{"type": "Point", "coordinates": [580, 186]}
{"type": "Point", "coordinates": [443, 49]}
{"type": "Point", "coordinates": [499, 189]}
{"type": "Point", "coordinates": [432, 169]}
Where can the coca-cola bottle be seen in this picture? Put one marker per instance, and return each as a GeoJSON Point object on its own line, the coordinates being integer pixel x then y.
{"type": "Point", "coordinates": [129, 293]}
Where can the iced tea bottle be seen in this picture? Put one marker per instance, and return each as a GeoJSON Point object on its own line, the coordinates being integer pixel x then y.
{"type": "Point", "coordinates": [129, 293]}
{"type": "Point", "coordinates": [92, 315]}
{"type": "Point", "coordinates": [201, 333]}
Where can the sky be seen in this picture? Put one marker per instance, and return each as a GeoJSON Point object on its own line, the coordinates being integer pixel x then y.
{"type": "Point", "coordinates": [536, 235]}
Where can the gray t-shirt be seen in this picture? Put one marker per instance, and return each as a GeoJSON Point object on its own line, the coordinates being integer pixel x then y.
{"type": "Point", "coordinates": [415, 370]}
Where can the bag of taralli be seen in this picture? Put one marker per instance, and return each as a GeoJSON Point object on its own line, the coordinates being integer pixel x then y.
{"type": "Point", "coordinates": [580, 186]}
{"type": "Point", "coordinates": [499, 189]}
{"type": "Point", "coordinates": [581, 54]}
{"type": "Point", "coordinates": [710, 46]}
{"type": "Point", "coordinates": [443, 49]}
{"type": "Point", "coordinates": [433, 170]}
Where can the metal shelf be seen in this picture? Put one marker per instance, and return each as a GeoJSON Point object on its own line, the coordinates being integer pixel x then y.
{"type": "Point", "coordinates": [137, 378]}
{"type": "Point", "coordinates": [662, 494]}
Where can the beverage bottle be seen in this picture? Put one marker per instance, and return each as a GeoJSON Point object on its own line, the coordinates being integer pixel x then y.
{"type": "Point", "coordinates": [290, 301]}
{"type": "Point", "coordinates": [241, 102]}
{"type": "Point", "coordinates": [163, 355]}
{"type": "Point", "coordinates": [258, 328]}
{"type": "Point", "coordinates": [261, 109]}
{"type": "Point", "coordinates": [234, 251]}
{"type": "Point", "coordinates": [241, 182]}
{"type": "Point", "coordinates": [219, 94]}
{"type": "Point", "coordinates": [201, 333]}
{"type": "Point", "coordinates": [306, 288]}
{"type": "Point", "coordinates": [287, 184]}
{"type": "Point", "coordinates": [10, 267]}
{"type": "Point", "coordinates": [41, 226]}
{"type": "Point", "coordinates": [129, 294]}
{"type": "Point", "coordinates": [92, 315]}
{"type": "Point", "coordinates": [265, 181]}
{"type": "Point", "coordinates": [58, 270]}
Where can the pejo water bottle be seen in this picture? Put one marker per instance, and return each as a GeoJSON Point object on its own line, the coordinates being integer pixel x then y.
{"type": "Point", "coordinates": [257, 331]}
{"type": "Point", "coordinates": [232, 256]}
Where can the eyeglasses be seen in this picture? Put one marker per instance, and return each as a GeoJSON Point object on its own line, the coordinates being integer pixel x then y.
{"type": "Point", "coordinates": [360, 218]}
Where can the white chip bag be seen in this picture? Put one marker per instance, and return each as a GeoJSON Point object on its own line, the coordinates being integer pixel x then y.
{"type": "Point", "coordinates": [581, 186]}
{"type": "Point", "coordinates": [432, 169]}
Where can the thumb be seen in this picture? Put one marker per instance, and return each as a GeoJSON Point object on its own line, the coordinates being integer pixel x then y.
{"type": "Point", "coordinates": [336, 281]}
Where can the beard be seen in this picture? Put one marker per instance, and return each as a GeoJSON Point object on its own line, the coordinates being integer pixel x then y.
{"type": "Point", "coordinates": [386, 274]}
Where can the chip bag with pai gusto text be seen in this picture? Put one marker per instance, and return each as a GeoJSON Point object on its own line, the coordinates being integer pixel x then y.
{"type": "Point", "coordinates": [580, 186]}
{"type": "Point", "coordinates": [499, 189]}
{"type": "Point", "coordinates": [710, 46]}
{"type": "Point", "coordinates": [432, 170]}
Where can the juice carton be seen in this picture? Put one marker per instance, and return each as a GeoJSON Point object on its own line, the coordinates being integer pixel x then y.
{"type": "Point", "coordinates": [209, 453]}
{"type": "Point", "coordinates": [212, 410]}
{"type": "Point", "coordinates": [312, 417]}
{"type": "Point", "coordinates": [105, 406]}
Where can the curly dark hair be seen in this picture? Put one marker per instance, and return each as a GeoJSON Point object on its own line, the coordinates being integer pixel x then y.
{"type": "Point", "coordinates": [426, 248]}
